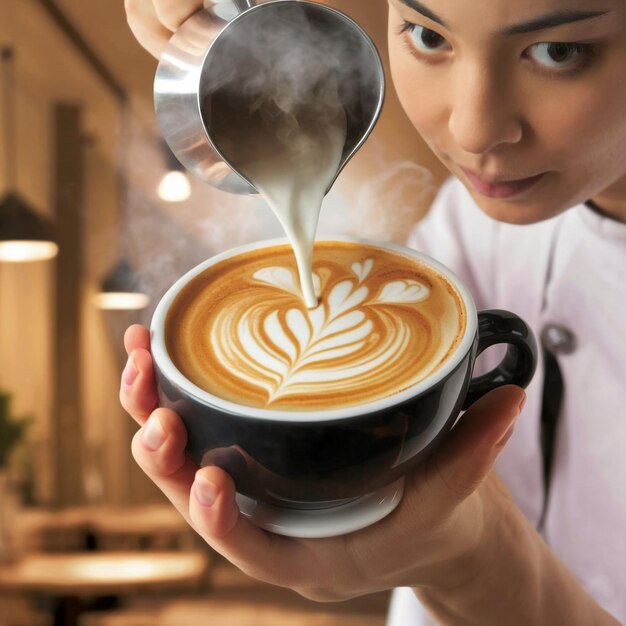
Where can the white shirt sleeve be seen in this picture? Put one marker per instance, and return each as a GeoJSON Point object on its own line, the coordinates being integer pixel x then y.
{"type": "Point", "coordinates": [405, 610]}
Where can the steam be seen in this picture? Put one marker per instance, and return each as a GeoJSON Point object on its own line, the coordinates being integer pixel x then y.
{"type": "Point", "coordinates": [300, 58]}
{"type": "Point", "coordinates": [293, 69]}
{"type": "Point", "coordinates": [163, 241]}
{"type": "Point", "coordinates": [290, 69]}
{"type": "Point", "coordinates": [383, 208]}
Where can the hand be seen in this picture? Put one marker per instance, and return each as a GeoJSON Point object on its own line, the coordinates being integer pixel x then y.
{"type": "Point", "coordinates": [154, 21]}
{"type": "Point", "coordinates": [430, 539]}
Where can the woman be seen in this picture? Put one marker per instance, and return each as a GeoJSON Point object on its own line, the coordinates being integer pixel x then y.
{"type": "Point", "coordinates": [525, 103]}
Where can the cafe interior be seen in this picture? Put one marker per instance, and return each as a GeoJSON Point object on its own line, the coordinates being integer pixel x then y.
{"type": "Point", "coordinates": [97, 220]}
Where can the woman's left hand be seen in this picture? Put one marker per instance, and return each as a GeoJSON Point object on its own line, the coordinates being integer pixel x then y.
{"type": "Point", "coordinates": [430, 539]}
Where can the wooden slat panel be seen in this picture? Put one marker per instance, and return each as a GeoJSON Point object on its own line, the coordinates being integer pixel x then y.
{"type": "Point", "coordinates": [68, 200]}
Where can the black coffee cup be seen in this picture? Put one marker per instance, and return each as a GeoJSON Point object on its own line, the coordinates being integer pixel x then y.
{"type": "Point", "coordinates": [324, 473]}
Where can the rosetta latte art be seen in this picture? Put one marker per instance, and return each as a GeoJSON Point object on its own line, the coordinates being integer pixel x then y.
{"type": "Point", "coordinates": [332, 347]}
{"type": "Point", "coordinates": [241, 331]}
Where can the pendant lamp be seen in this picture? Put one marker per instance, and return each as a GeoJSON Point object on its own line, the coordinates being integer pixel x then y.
{"type": "Point", "coordinates": [25, 235]}
{"type": "Point", "coordinates": [120, 290]}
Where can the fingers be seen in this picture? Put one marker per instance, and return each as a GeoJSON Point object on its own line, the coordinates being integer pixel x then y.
{"type": "Point", "coordinates": [206, 499]}
{"type": "Point", "coordinates": [172, 13]}
{"type": "Point", "coordinates": [214, 513]}
{"type": "Point", "coordinates": [212, 503]}
{"type": "Point", "coordinates": [138, 392]}
{"type": "Point", "coordinates": [136, 336]}
{"type": "Point", "coordinates": [465, 459]}
{"type": "Point", "coordinates": [159, 449]}
{"type": "Point", "coordinates": [146, 26]}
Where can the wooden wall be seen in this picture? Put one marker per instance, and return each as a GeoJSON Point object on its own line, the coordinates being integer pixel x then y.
{"type": "Point", "coordinates": [49, 72]}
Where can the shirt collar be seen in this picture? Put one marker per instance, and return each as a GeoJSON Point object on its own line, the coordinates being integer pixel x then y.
{"type": "Point", "coordinates": [602, 225]}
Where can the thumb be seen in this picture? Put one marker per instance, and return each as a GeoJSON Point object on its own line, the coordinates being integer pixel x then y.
{"type": "Point", "coordinates": [467, 455]}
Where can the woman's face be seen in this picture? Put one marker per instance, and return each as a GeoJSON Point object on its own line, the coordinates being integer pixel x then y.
{"type": "Point", "coordinates": [524, 101]}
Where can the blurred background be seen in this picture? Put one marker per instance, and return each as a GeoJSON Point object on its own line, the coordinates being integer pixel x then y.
{"type": "Point", "coordinates": [85, 538]}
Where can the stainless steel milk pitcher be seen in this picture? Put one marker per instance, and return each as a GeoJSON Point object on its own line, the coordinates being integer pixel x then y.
{"type": "Point", "coordinates": [217, 51]}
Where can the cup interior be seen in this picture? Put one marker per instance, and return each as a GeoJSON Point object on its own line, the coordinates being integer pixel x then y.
{"type": "Point", "coordinates": [169, 370]}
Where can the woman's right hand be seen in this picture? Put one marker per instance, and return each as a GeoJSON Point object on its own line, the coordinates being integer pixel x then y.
{"type": "Point", "coordinates": [153, 22]}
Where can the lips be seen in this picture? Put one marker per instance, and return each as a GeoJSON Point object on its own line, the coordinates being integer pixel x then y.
{"type": "Point", "coordinates": [500, 188]}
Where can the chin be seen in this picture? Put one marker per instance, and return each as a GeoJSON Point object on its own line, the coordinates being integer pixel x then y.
{"type": "Point", "coordinates": [517, 212]}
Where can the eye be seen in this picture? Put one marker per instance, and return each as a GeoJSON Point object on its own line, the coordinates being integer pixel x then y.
{"type": "Point", "coordinates": [425, 40]}
{"type": "Point", "coordinates": [560, 56]}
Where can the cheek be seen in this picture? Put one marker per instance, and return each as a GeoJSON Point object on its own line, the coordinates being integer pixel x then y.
{"type": "Point", "coordinates": [584, 125]}
{"type": "Point", "coordinates": [416, 87]}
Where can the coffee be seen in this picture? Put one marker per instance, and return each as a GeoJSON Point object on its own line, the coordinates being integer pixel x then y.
{"type": "Point", "coordinates": [241, 331]}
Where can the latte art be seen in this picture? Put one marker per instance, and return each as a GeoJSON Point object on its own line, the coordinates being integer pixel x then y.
{"type": "Point", "coordinates": [330, 346]}
{"type": "Point", "coordinates": [241, 331]}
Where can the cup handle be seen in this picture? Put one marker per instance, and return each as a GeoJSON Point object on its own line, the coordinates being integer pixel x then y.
{"type": "Point", "coordinates": [520, 361]}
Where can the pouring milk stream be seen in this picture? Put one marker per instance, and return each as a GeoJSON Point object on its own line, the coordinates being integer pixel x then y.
{"type": "Point", "coordinates": [291, 160]}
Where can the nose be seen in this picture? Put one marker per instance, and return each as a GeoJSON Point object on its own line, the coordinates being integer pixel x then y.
{"type": "Point", "coordinates": [483, 116]}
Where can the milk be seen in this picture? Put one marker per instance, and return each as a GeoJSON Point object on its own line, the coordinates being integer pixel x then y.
{"type": "Point", "coordinates": [294, 182]}
{"type": "Point", "coordinates": [291, 159]}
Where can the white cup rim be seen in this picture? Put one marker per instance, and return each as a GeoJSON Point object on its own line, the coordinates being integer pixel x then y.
{"type": "Point", "coordinates": [176, 377]}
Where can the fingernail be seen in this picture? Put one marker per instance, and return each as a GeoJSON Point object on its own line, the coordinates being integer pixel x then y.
{"type": "Point", "coordinates": [153, 436]}
{"type": "Point", "coordinates": [205, 490]}
{"type": "Point", "coordinates": [130, 372]}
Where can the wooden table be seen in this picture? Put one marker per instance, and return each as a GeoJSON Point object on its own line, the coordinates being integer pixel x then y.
{"type": "Point", "coordinates": [76, 528]}
{"type": "Point", "coordinates": [69, 577]}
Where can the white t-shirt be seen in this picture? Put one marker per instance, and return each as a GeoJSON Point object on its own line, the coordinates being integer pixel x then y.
{"type": "Point", "coordinates": [569, 271]}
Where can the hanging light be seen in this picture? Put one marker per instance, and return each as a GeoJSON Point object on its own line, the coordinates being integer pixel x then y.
{"type": "Point", "coordinates": [175, 185]}
{"type": "Point", "coordinates": [24, 234]}
{"type": "Point", "coordinates": [120, 290]}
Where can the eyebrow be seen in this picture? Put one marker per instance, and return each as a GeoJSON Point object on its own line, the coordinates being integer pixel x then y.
{"type": "Point", "coordinates": [551, 20]}
{"type": "Point", "coordinates": [558, 18]}
{"type": "Point", "coordinates": [425, 11]}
